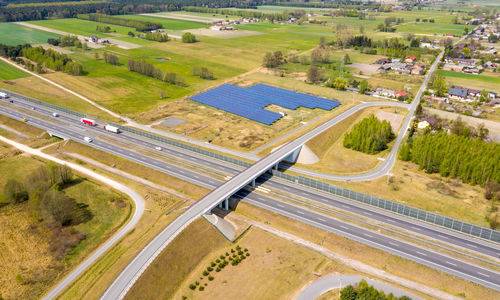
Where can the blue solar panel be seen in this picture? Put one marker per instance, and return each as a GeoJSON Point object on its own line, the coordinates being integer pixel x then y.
{"type": "Point", "coordinates": [250, 102]}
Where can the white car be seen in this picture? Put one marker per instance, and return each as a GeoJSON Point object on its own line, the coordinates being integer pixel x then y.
{"type": "Point", "coordinates": [158, 148]}
{"type": "Point", "coordinates": [88, 139]}
{"type": "Point", "coordinates": [55, 115]}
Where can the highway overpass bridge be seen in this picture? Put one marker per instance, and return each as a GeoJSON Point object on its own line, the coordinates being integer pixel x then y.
{"type": "Point", "coordinates": [289, 152]}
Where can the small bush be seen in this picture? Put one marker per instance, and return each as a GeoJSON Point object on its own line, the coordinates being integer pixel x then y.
{"type": "Point", "coordinates": [210, 269]}
{"type": "Point", "coordinates": [217, 269]}
{"type": "Point", "coordinates": [240, 252]}
{"type": "Point", "coordinates": [201, 288]}
{"type": "Point", "coordinates": [227, 254]}
{"type": "Point", "coordinates": [192, 286]}
{"type": "Point", "coordinates": [248, 254]}
{"type": "Point", "coordinates": [217, 260]}
{"type": "Point", "coordinates": [238, 247]}
{"type": "Point", "coordinates": [232, 250]}
{"type": "Point", "coordinates": [210, 278]}
{"type": "Point", "coordinates": [222, 256]}
{"type": "Point", "coordinates": [246, 250]}
{"type": "Point", "coordinates": [205, 273]}
{"type": "Point", "coordinates": [243, 257]}
{"type": "Point", "coordinates": [197, 283]}
{"type": "Point", "coordinates": [212, 264]}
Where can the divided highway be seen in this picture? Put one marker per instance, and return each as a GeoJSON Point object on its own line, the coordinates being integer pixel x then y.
{"type": "Point", "coordinates": [138, 265]}
{"type": "Point", "coordinates": [267, 181]}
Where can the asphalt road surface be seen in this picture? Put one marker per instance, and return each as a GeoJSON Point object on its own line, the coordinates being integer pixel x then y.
{"type": "Point", "coordinates": [420, 228]}
{"type": "Point", "coordinates": [126, 279]}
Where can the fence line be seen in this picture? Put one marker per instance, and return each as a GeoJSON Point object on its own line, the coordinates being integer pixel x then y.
{"type": "Point", "coordinates": [395, 207]}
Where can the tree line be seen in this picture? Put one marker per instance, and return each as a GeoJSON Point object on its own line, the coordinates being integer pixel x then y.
{"type": "Point", "coordinates": [144, 68]}
{"type": "Point", "coordinates": [471, 159]}
{"type": "Point", "coordinates": [66, 41]}
{"type": "Point", "coordinates": [43, 189]}
{"type": "Point", "coordinates": [137, 24]}
{"type": "Point", "coordinates": [283, 16]}
{"type": "Point", "coordinates": [53, 60]}
{"type": "Point", "coordinates": [369, 136]}
{"type": "Point", "coordinates": [363, 291]}
{"type": "Point", "coordinates": [70, 9]}
{"type": "Point", "coordinates": [157, 36]}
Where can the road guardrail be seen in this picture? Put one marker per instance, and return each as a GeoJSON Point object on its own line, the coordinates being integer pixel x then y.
{"type": "Point", "coordinates": [401, 209]}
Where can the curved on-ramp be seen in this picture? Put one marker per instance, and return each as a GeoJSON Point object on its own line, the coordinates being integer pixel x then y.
{"type": "Point", "coordinates": [328, 283]}
{"type": "Point", "coordinates": [138, 211]}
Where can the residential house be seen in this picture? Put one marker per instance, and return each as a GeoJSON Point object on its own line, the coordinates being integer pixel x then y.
{"type": "Point", "coordinates": [382, 61]}
{"type": "Point", "coordinates": [457, 94]}
{"type": "Point", "coordinates": [400, 94]}
{"type": "Point", "coordinates": [453, 67]}
{"type": "Point", "coordinates": [418, 69]}
{"type": "Point", "coordinates": [384, 92]}
{"type": "Point", "coordinates": [490, 65]}
{"type": "Point", "coordinates": [410, 59]}
{"type": "Point", "coordinates": [94, 39]}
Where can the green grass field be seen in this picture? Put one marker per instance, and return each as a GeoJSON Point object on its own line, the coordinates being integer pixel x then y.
{"type": "Point", "coordinates": [170, 24]}
{"type": "Point", "coordinates": [433, 28]}
{"type": "Point", "coordinates": [82, 27]}
{"type": "Point", "coordinates": [14, 34]}
{"type": "Point", "coordinates": [490, 83]}
{"type": "Point", "coordinates": [8, 72]}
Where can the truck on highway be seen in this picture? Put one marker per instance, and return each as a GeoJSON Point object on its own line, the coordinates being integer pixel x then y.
{"type": "Point", "coordinates": [3, 95]}
{"type": "Point", "coordinates": [87, 139]}
{"type": "Point", "coordinates": [88, 121]}
{"type": "Point", "coordinates": [112, 128]}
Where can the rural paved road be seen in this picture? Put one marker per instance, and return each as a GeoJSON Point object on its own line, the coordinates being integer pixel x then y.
{"type": "Point", "coordinates": [328, 283]}
{"type": "Point", "coordinates": [138, 211]}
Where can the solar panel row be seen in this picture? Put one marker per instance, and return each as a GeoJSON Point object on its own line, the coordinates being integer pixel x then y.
{"type": "Point", "coordinates": [250, 102]}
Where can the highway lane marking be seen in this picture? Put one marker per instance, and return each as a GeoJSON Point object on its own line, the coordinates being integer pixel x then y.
{"type": "Point", "coordinates": [420, 229]}
{"type": "Point", "coordinates": [280, 205]}
{"type": "Point", "coordinates": [323, 220]}
{"type": "Point", "coordinates": [342, 226]}
{"type": "Point", "coordinates": [421, 253]}
{"type": "Point", "coordinates": [450, 263]}
{"type": "Point", "coordinates": [483, 274]}
{"type": "Point", "coordinates": [367, 213]}
{"type": "Point", "coordinates": [300, 212]}
{"type": "Point", "coordinates": [394, 244]}
{"type": "Point", "coordinates": [442, 236]}
{"type": "Point", "coordinates": [366, 234]}
{"type": "Point", "coordinates": [345, 206]}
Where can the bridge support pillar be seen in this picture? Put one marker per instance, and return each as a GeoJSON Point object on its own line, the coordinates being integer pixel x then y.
{"type": "Point", "coordinates": [220, 205]}
{"type": "Point", "coordinates": [253, 182]}
{"type": "Point", "coordinates": [276, 166]}
{"type": "Point", "coordinates": [226, 204]}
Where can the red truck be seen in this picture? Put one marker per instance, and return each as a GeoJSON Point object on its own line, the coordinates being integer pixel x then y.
{"type": "Point", "coordinates": [88, 121]}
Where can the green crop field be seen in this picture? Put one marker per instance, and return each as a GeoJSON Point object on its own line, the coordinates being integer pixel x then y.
{"type": "Point", "coordinates": [15, 34]}
{"type": "Point", "coordinates": [82, 27]}
{"type": "Point", "coordinates": [484, 78]}
{"type": "Point", "coordinates": [490, 83]}
{"type": "Point", "coordinates": [433, 28]}
{"type": "Point", "coordinates": [170, 24]}
{"type": "Point", "coordinates": [8, 72]}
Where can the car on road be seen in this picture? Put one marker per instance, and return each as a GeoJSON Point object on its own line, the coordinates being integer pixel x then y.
{"type": "Point", "coordinates": [88, 139]}
{"type": "Point", "coordinates": [33, 108]}
{"type": "Point", "coordinates": [11, 101]}
{"type": "Point", "coordinates": [158, 148]}
{"type": "Point", "coordinates": [55, 115]}
{"type": "Point", "coordinates": [25, 120]}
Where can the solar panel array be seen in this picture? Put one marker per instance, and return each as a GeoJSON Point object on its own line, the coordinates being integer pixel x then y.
{"type": "Point", "coordinates": [250, 102]}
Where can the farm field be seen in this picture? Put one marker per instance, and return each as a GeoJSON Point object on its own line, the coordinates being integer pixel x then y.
{"type": "Point", "coordinates": [170, 24]}
{"type": "Point", "coordinates": [488, 81]}
{"type": "Point", "coordinates": [83, 27]}
{"type": "Point", "coordinates": [432, 28]}
{"type": "Point", "coordinates": [14, 34]}
{"type": "Point", "coordinates": [8, 72]}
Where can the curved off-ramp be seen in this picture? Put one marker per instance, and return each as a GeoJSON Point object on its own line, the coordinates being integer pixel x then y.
{"type": "Point", "coordinates": [139, 210]}
{"type": "Point", "coordinates": [328, 283]}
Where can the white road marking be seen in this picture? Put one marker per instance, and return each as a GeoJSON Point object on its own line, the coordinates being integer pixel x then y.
{"type": "Point", "coordinates": [280, 205]}
{"type": "Point", "coordinates": [442, 236]}
{"type": "Point", "coordinates": [300, 212]}
{"type": "Point", "coordinates": [394, 244]}
{"type": "Point", "coordinates": [450, 263]}
{"type": "Point", "coordinates": [483, 274]}
{"type": "Point", "coordinates": [420, 229]}
{"type": "Point", "coordinates": [342, 226]}
{"type": "Point", "coordinates": [366, 234]}
{"type": "Point", "coordinates": [421, 253]}
{"type": "Point", "coordinates": [323, 220]}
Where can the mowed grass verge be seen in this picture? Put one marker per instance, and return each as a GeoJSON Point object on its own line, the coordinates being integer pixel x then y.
{"type": "Point", "coordinates": [167, 273]}
{"type": "Point", "coordinates": [8, 72]}
{"type": "Point", "coordinates": [14, 34]}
